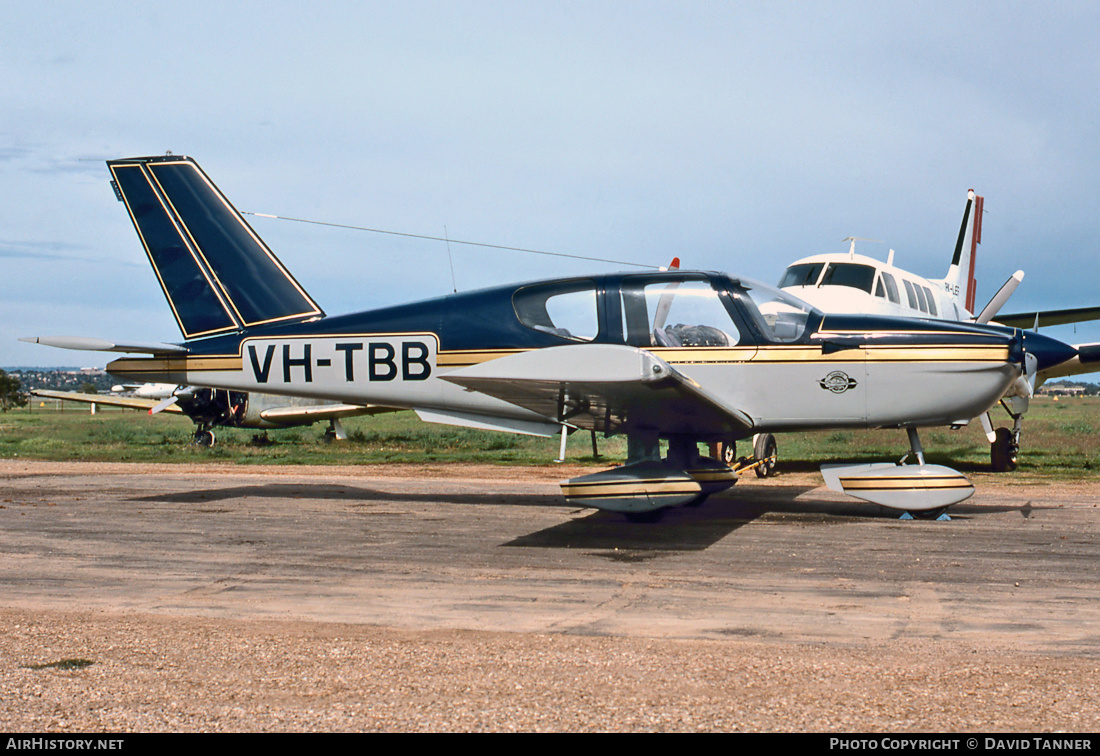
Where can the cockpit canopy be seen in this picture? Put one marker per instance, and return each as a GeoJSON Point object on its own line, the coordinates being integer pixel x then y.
{"type": "Point", "coordinates": [677, 310]}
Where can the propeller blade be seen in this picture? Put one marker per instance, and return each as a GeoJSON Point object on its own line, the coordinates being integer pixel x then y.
{"type": "Point", "coordinates": [987, 426]}
{"type": "Point", "coordinates": [999, 299]}
{"type": "Point", "coordinates": [163, 405]}
{"type": "Point", "coordinates": [664, 304]}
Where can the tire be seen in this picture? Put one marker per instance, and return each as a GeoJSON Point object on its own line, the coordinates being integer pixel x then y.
{"type": "Point", "coordinates": [1003, 452]}
{"type": "Point", "coordinates": [766, 449]}
{"type": "Point", "coordinates": [727, 452]}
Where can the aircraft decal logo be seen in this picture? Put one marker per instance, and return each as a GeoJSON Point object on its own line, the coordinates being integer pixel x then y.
{"type": "Point", "coordinates": [838, 382]}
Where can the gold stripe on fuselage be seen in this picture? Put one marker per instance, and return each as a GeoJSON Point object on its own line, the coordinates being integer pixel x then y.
{"type": "Point", "coordinates": [177, 364]}
{"type": "Point", "coordinates": [673, 355]}
{"type": "Point", "coordinates": [465, 357]}
{"type": "Point", "coordinates": [803, 354]}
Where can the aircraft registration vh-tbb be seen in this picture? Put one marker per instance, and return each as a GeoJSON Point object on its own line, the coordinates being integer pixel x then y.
{"type": "Point", "coordinates": [681, 357]}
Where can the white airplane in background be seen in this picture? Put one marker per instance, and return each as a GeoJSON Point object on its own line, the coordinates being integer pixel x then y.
{"type": "Point", "coordinates": [851, 283]}
{"type": "Point", "coordinates": [218, 408]}
{"type": "Point", "coordinates": [145, 390]}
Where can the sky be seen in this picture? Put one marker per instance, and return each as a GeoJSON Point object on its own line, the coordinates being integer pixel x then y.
{"type": "Point", "coordinates": [737, 136]}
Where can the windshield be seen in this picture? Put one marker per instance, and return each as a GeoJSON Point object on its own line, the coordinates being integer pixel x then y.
{"type": "Point", "coordinates": [849, 274]}
{"type": "Point", "coordinates": [780, 317]}
{"type": "Point", "coordinates": [801, 274]}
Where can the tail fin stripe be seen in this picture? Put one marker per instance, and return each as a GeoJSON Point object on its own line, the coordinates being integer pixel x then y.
{"type": "Point", "coordinates": [260, 289]}
{"type": "Point", "coordinates": [196, 304]}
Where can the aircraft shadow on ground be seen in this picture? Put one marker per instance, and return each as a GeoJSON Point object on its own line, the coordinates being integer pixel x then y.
{"type": "Point", "coordinates": [693, 528]}
{"type": "Point", "coordinates": [679, 529]}
{"type": "Point", "coordinates": [351, 494]}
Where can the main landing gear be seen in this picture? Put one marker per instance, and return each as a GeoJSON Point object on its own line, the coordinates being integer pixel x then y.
{"type": "Point", "coordinates": [765, 455]}
{"type": "Point", "coordinates": [1004, 445]}
{"type": "Point", "coordinates": [335, 431]}
{"type": "Point", "coordinates": [1005, 450]}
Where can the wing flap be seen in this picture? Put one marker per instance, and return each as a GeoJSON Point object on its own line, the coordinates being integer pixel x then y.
{"type": "Point", "coordinates": [607, 388]}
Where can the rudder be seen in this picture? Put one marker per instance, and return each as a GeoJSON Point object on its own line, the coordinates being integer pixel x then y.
{"type": "Point", "coordinates": [215, 271]}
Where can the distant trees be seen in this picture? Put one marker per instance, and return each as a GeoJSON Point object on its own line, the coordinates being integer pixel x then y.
{"type": "Point", "coordinates": [10, 394]}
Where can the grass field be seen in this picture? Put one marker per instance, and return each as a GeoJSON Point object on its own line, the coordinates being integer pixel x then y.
{"type": "Point", "coordinates": [1060, 440]}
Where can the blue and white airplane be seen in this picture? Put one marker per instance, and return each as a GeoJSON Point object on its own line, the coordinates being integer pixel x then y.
{"type": "Point", "coordinates": [672, 360]}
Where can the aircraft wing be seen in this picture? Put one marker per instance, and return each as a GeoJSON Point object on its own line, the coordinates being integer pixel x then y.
{"type": "Point", "coordinates": [110, 400]}
{"type": "Point", "coordinates": [290, 415]}
{"type": "Point", "coordinates": [1048, 317]}
{"type": "Point", "coordinates": [604, 387]}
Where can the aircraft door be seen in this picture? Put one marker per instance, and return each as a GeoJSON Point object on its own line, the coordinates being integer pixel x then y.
{"type": "Point", "coordinates": [677, 313]}
{"type": "Point", "coordinates": [795, 379]}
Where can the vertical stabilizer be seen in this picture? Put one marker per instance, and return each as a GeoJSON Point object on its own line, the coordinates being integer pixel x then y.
{"type": "Point", "coordinates": [216, 272]}
{"type": "Point", "coordinates": [959, 281]}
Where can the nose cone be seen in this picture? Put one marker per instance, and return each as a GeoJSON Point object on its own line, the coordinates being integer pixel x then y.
{"type": "Point", "coordinates": [1047, 351]}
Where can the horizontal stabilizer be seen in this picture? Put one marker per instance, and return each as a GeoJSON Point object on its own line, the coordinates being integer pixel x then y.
{"type": "Point", "coordinates": [87, 344]}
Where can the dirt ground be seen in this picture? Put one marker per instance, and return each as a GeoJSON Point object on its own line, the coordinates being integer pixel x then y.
{"type": "Point", "coordinates": [148, 598]}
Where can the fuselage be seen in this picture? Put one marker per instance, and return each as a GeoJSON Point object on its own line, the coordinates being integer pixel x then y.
{"type": "Point", "coordinates": [784, 363]}
{"type": "Point", "coordinates": [851, 283]}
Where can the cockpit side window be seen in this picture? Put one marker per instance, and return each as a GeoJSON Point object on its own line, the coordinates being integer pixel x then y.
{"type": "Point", "coordinates": [922, 302]}
{"type": "Point", "coordinates": [931, 299]}
{"type": "Point", "coordinates": [802, 274]}
{"type": "Point", "coordinates": [880, 288]}
{"type": "Point", "coordinates": [891, 288]}
{"type": "Point", "coordinates": [911, 294]}
{"type": "Point", "coordinates": [849, 274]}
{"type": "Point", "coordinates": [567, 309]}
{"type": "Point", "coordinates": [676, 313]}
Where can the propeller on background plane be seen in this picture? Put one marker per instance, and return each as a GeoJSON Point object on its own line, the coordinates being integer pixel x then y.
{"type": "Point", "coordinates": [998, 301]}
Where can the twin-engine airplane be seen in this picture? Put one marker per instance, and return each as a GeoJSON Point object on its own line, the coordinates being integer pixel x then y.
{"type": "Point", "coordinates": [670, 359]}
{"type": "Point", "coordinates": [851, 283]}
{"type": "Point", "coordinates": [211, 408]}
